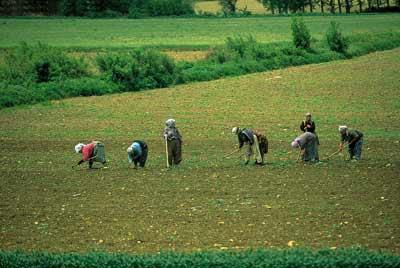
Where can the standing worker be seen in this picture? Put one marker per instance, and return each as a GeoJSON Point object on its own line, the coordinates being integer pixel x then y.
{"type": "Point", "coordinates": [308, 125]}
{"type": "Point", "coordinates": [137, 153]}
{"type": "Point", "coordinates": [354, 138]}
{"type": "Point", "coordinates": [247, 136]}
{"type": "Point", "coordinates": [92, 152]}
{"type": "Point", "coordinates": [307, 142]}
{"type": "Point", "coordinates": [174, 141]}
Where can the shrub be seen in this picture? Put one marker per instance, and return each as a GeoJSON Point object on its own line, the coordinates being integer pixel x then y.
{"type": "Point", "coordinates": [228, 6]}
{"type": "Point", "coordinates": [12, 95]}
{"type": "Point", "coordinates": [336, 41]}
{"type": "Point", "coordinates": [39, 63]}
{"type": "Point", "coordinates": [301, 34]}
{"type": "Point", "coordinates": [240, 44]}
{"type": "Point", "coordinates": [169, 7]}
{"type": "Point", "coordinates": [138, 70]}
{"type": "Point", "coordinates": [222, 55]}
{"type": "Point", "coordinates": [135, 13]}
{"type": "Point", "coordinates": [108, 13]}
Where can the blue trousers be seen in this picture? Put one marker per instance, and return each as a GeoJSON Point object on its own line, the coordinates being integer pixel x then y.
{"type": "Point", "coordinates": [355, 150]}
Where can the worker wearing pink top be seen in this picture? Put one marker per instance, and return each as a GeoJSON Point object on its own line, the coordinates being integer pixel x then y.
{"type": "Point", "coordinates": [87, 152]}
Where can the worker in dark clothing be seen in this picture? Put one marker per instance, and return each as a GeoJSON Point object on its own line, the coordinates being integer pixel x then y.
{"type": "Point", "coordinates": [354, 138]}
{"type": "Point", "coordinates": [308, 125]}
{"type": "Point", "coordinates": [137, 153]}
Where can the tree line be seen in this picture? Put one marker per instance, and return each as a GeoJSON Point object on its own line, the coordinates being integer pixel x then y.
{"type": "Point", "coordinates": [330, 6]}
{"type": "Point", "coordinates": [138, 8]}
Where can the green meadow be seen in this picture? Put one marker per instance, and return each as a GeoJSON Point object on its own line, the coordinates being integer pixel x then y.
{"type": "Point", "coordinates": [175, 33]}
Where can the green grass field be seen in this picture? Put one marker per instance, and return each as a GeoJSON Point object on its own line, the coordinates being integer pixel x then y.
{"type": "Point", "coordinates": [185, 33]}
{"type": "Point", "coordinates": [208, 202]}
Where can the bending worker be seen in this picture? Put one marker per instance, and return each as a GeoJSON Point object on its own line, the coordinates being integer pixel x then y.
{"type": "Point", "coordinates": [92, 152]}
{"type": "Point", "coordinates": [137, 153]}
{"type": "Point", "coordinates": [307, 142]}
{"type": "Point", "coordinates": [354, 138]}
{"type": "Point", "coordinates": [248, 138]}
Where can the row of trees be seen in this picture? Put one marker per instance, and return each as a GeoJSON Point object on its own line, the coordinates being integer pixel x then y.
{"type": "Point", "coordinates": [137, 8]}
{"type": "Point", "coordinates": [332, 6]}
{"type": "Point", "coordinates": [96, 7]}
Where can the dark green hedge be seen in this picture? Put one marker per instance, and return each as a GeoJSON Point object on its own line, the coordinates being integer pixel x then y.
{"type": "Point", "coordinates": [295, 258]}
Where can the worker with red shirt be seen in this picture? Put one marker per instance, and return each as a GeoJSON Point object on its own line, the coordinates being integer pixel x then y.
{"type": "Point", "coordinates": [88, 152]}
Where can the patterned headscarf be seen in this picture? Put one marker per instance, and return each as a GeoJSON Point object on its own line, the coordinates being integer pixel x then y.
{"type": "Point", "coordinates": [170, 123]}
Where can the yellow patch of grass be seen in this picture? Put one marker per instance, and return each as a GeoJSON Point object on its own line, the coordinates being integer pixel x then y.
{"type": "Point", "coordinates": [213, 6]}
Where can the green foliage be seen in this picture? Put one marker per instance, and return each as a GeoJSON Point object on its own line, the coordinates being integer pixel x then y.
{"type": "Point", "coordinates": [169, 7]}
{"type": "Point", "coordinates": [256, 258]}
{"type": "Point", "coordinates": [37, 73]}
{"type": "Point", "coordinates": [300, 33]}
{"type": "Point", "coordinates": [39, 63]}
{"type": "Point", "coordinates": [74, 7]}
{"type": "Point", "coordinates": [228, 6]}
{"type": "Point", "coordinates": [134, 9]}
{"type": "Point", "coordinates": [140, 69]}
{"type": "Point", "coordinates": [362, 44]}
{"type": "Point", "coordinates": [13, 95]}
{"type": "Point", "coordinates": [240, 45]}
{"type": "Point", "coordinates": [336, 41]}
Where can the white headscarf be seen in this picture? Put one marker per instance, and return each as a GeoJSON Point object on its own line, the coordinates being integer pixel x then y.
{"type": "Point", "coordinates": [235, 130]}
{"type": "Point", "coordinates": [295, 144]}
{"type": "Point", "coordinates": [342, 129]}
{"type": "Point", "coordinates": [170, 123]}
{"type": "Point", "coordinates": [79, 147]}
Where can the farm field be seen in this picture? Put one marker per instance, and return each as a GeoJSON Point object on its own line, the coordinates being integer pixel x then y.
{"type": "Point", "coordinates": [177, 34]}
{"type": "Point", "coordinates": [208, 202]}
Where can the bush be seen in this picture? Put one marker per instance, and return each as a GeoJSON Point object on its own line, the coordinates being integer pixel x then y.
{"type": "Point", "coordinates": [169, 7]}
{"type": "Point", "coordinates": [336, 41]}
{"type": "Point", "coordinates": [141, 69]}
{"type": "Point", "coordinates": [13, 95]}
{"type": "Point", "coordinates": [108, 13]}
{"type": "Point", "coordinates": [39, 63]}
{"type": "Point", "coordinates": [135, 13]}
{"type": "Point", "coordinates": [301, 34]}
{"type": "Point", "coordinates": [228, 6]}
{"type": "Point", "coordinates": [240, 45]}
{"type": "Point", "coordinates": [365, 43]}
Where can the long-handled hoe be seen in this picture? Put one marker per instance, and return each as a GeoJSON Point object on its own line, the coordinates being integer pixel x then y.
{"type": "Point", "coordinates": [166, 151]}
{"type": "Point", "coordinates": [231, 153]}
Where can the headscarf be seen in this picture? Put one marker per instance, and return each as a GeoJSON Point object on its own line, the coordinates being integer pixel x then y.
{"type": "Point", "coordinates": [79, 147]}
{"type": "Point", "coordinates": [170, 123]}
{"type": "Point", "coordinates": [342, 129]}
{"type": "Point", "coordinates": [235, 130]}
{"type": "Point", "coordinates": [295, 144]}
